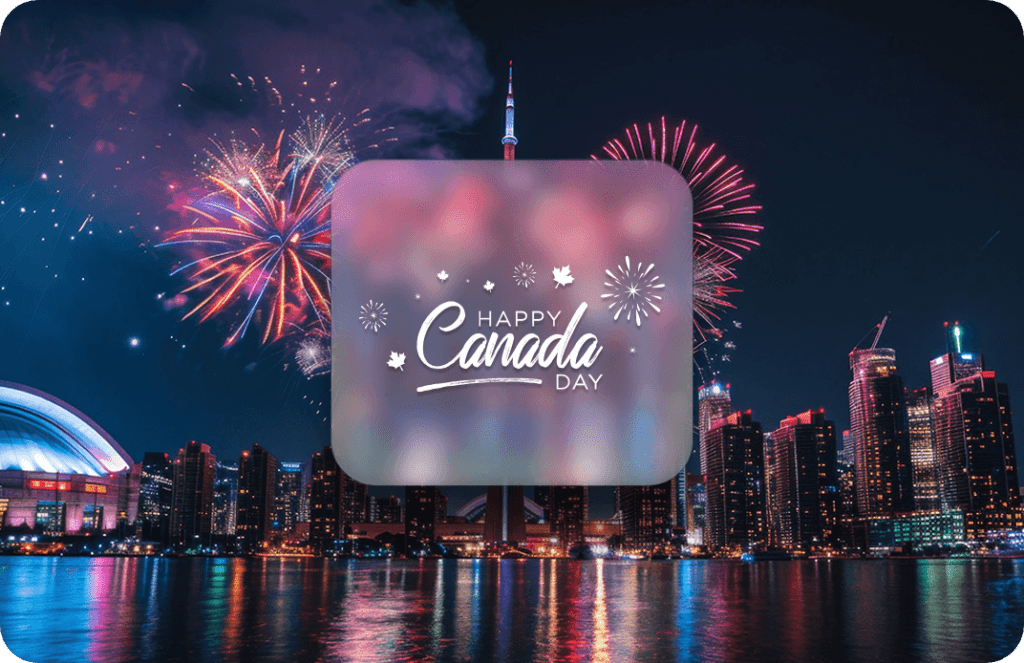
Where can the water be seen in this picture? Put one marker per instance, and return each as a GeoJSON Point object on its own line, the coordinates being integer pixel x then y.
{"type": "Point", "coordinates": [253, 610]}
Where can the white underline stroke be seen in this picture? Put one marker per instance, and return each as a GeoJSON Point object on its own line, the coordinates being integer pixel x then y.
{"type": "Point", "coordinates": [463, 383]}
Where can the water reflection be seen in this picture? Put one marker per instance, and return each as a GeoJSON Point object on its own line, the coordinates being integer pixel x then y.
{"type": "Point", "coordinates": [119, 609]}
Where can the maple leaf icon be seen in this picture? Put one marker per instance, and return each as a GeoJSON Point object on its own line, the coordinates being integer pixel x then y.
{"type": "Point", "coordinates": [562, 276]}
{"type": "Point", "coordinates": [442, 276]}
{"type": "Point", "coordinates": [397, 361]}
{"type": "Point", "coordinates": [488, 286]}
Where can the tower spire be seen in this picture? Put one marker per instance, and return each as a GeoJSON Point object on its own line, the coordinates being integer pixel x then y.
{"type": "Point", "coordinates": [509, 141]}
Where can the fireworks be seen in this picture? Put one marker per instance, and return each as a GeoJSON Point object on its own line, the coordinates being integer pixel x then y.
{"type": "Point", "coordinates": [634, 290]}
{"type": "Point", "coordinates": [373, 316]}
{"type": "Point", "coordinates": [720, 200]}
{"type": "Point", "coordinates": [313, 354]}
{"type": "Point", "coordinates": [720, 196]}
{"type": "Point", "coordinates": [324, 144]}
{"type": "Point", "coordinates": [525, 275]}
{"type": "Point", "coordinates": [263, 236]}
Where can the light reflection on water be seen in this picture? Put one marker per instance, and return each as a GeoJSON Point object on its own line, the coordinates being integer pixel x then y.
{"type": "Point", "coordinates": [253, 610]}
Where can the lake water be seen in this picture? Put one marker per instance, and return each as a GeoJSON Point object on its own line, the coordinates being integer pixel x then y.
{"type": "Point", "coordinates": [253, 610]}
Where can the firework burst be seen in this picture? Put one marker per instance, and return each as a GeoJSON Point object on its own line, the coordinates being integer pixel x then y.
{"type": "Point", "coordinates": [721, 200]}
{"type": "Point", "coordinates": [525, 275]}
{"type": "Point", "coordinates": [634, 290]}
{"type": "Point", "coordinates": [263, 238]}
{"type": "Point", "coordinates": [313, 354]}
{"type": "Point", "coordinates": [373, 316]}
{"type": "Point", "coordinates": [325, 144]}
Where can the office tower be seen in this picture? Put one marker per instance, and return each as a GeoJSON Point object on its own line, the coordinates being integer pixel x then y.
{"type": "Point", "coordinates": [878, 424]}
{"type": "Point", "coordinates": [922, 449]}
{"type": "Point", "coordinates": [225, 499]}
{"type": "Point", "coordinates": [802, 484]}
{"type": "Point", "coordinates": [696, 509]}
{"type": "Point", "coordinates": [156, 489]}
{"type": "Point", "coordinates": [977, 463]}
{"type": "Point", "coordinates": [568, 512]}
{"type": "Point", "coordinates": [425, 507]}
{"type": "Point", "coordinates": [257, 484]}
{"type": "Point", "coordinates": [646, 516]}
{"type": "Point", "coordinates": [847, 486]}
{"type": "Point", "coordinates": [354, 500]}
{"type": "Point", "coordinates": [192, 497]}
{"type": "Point", "coordinates": [846, 454]}
{"type": "Point", "coordinates": [325, 525]}
{"type": "Point", "coordinates": [713, 403]}
{"type": "Point", "coordinates": [735, 482]}
{"type": "Point", "coordinates": [288, 504]}
{"type": "Point", "coordinates": [682, 518]}
{"type": "Point", "coordinates": [956, 362]}
{"type": "Point", "coordinates": [387, 510]}
{"type": "Point", "coordinates": [772, 504]}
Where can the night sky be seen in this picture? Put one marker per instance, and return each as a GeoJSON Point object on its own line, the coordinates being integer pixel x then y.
{"type": "Point", "coordinates": [886, 145]}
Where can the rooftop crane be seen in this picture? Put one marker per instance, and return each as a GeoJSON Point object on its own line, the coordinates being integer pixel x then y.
{"type": "Point", "coordinates": [878, 334]}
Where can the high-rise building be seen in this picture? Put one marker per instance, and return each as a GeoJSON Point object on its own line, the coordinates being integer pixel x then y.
{"type": "Point", "coordinates": [156, 489]}
{"type": "Point", "coordinates": [956, 362]}
{"type": "Point", "coordinates": [509, 140]}
{"type": "Point", "coordinates": [846, 454]}
{"type": "Point", "coordinates": [646, 516]}
{"type": "Point", "coordinates": [290, 484]}
{"type": "Point", "coordinates": [192, 497]}
{"type": "Point", "coordinates": [425, 507]}
{"type": "Point", "coordinates": [735, 483]}
{"type": "Point", "coordinates": [542, 496]}
{"type": "Point", "coordinates": [713, 403]}
{"type": "Point", "coordinates": [567, 514]}
{"type": "Point", "coordinates": [922, 449]}
{"type": "Point", "coordinates": [977, 461]}
{"type": "Point", "coordinates": [878, 424]}
{"type": "Point", "coordinates": [387, 510]}
{"type": "Point", "coordinates": [336, 500]}
{"type": "Point", "coordinates": [696, 509]}
{"type": "Point", "coordinates": [257, 484]}
{"type": "Point", "coordinates": [225, 499]}
{"type": "Point", "coordinates": [801, 479]}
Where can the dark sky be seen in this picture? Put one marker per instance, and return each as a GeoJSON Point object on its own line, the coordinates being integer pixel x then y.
{"type": "Point", "coordinates": [886, 144]}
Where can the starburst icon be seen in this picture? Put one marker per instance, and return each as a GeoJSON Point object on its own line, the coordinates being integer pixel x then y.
{"type": "Point", "coordinates": [524, 274]}
{"type": "Point", "coordinates": [373, 316]}
{"type": "Point", "coordinates": [633, 291]}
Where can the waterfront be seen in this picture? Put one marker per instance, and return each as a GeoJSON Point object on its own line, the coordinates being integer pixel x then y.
{"type": "Point", "coordinates": [268, 609]}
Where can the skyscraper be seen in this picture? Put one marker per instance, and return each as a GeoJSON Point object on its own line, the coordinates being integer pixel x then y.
{"type": "Point", "coordinates": [156, 489]}
{"type": "Point", "coordinates": [425, 507]}
{"type": "Point", "coordinates": [696, 509]}
{"type": "Point", "coordinates": [646, 516]}
{"type": "Point", "coordinates": [336, 500]}
{"type": "Point", "coordinates": [735, 482]}
{"type": "Point", "coordinates": [922, 449]}
{"type": "Point", "coordinates": [977, 461]}
{"type": "Point", "coordinates": [192, 497]}
{"type": "Point", "coordinates": [387, 510]}
{"type": "Point", "coordinates": [713, 403]}
{"type": "Point", "coordinates": [567, 514]}
{"type": "Point", "coordinates": [509, 140]}
{"type": "Point", "coordinates": [802, 485]}
{"type": "Point", "coordinates": [257, 484]}
{"type": "Point", "coordinates": [878, 424]}
{"type": "Point", "coordinates": [955, 363]}
{"type": "Point", "coordinates": [288, 504]}
{"type": "Point", "coordinates": [225, 499]}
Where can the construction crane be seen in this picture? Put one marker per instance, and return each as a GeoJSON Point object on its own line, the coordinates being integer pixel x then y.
{"type": "Point", "coordinates": [878, 334]}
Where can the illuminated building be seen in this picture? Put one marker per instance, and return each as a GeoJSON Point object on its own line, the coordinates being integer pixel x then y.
{"type": "Point", "coordinates": [568, 513]}
{"type": "Point", "coordinates": [801, 480]}
{"type": "Point", "coordinates": [922, 449]}
{"type": "Point", "coordinates": [915, 530]}
{"type": "Point", "coordinates": [735, 483]}
{"type": "Point", "coordinates": [542, 496]}
{"type": "Point", "coordinates": [387, 510]}
{"type": "Point", "coordinates": [955, 363]}
{"type": "Point", "coordinates": [646, 516]}
{"type": "Point", "coordinates": [288, 500]}
{"type": "Point", "coordinates": [257, 483]}
{"type": "Point", "coordinates": [713, 403]}
{"type": "Point", "coordinates": [156, 487]}
{"type": "Point", "coordinates": [336, 500]}
{"type": "Point", "coordinates": [425, 508]}
{"type": "Point", "coordinates": [846, 454]}
{"type": "Point", "coordinates": [225, 500]}
{"type": "Point", "coordinates": [878, 424]}
{"type": "Point", "coordinates": [974, 445]}
{"type": "Point", "coordinates": [696, 509]}
{"type": "Point", "coordinates": [192, 497]}
{"type": "Point", "coordinates": [59, 471]}
{"type": "Point", "coordinates": [509, 140]}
